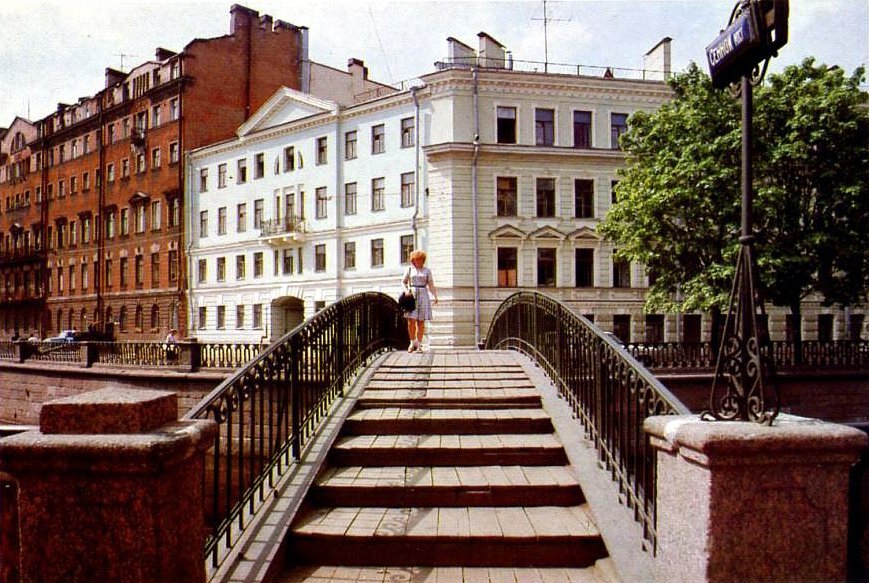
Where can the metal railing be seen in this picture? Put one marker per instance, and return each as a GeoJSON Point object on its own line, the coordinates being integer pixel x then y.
{"type": "Point", "coordinates": [609, 392]}
{"type": "Point", "coordinates": [836, 354]}
{"type": "Point", "coordinates": [267, 411]}
{"type": "Point", "coordinates": [228, 355]}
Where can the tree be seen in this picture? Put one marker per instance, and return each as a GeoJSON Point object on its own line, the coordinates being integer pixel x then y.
{"type": "Point", "coordinates": [678, 203]}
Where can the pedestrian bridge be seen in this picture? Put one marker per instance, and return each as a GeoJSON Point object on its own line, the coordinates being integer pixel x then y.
{"type": "Point", "coordinates": [341, 457]}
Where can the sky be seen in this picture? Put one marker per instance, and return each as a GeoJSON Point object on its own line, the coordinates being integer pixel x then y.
{"type": "Point", "coordinates": [57, 50]}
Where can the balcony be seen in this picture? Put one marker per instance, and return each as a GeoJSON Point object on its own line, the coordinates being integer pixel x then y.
{"type": "Point", "coordinates": [284, 231]}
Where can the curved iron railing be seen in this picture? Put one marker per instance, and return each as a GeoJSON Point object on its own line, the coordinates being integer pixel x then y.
{"type": "Point", "coordinates": [267, 410]}
{"type": "Point", "coordinates": [607, 389]}
{"type": "Point", "coordinates": [227, 354]}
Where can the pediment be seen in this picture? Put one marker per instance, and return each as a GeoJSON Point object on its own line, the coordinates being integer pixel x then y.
{"type": "Point", "coordinates": [584, 233]}
{"type": "Point", "coordinates": [547, 232]}
{"type": "Point", "coordinates": [507, 232]}
{"type": "Point", "coordinates": [284, 106]}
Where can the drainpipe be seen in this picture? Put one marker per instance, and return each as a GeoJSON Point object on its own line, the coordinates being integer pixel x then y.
{"type": "Point", "coordinates": [339, 206]}
{"type": "Point", "coordinates": [413, 226]}
{"type": "Point", "coordinates": [474, 205]}
{"type": "Point", "coordinates": [189, 209]}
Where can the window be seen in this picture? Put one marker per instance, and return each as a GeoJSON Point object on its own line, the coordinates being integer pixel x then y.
{"type": "Point", "coordinates": [506, 198]}
{"type": "Point", "coordinates": [350, 198]}
{"type": "Point", "coordinates": [221, 269]}
{"type": "Point", "coordinates": [203, 223]}
{"type": "Point", "coordinates": [322, 151]}
{"type": "Point", "coordinates": [377, 253]}
{"type": "Point", "coordinates": [614, 191]}
{"type": "Point", "coordinates": [583, 198]}
{"type": "Point", "coordinates": [545, 197]}
{"type": "Point", "coordinates": [544, 127]}
{"type": "Point", "coordinates": [258, 206]}
{"type": "Point", "coordinates": [320, 257]}
{"type": "Point", "coordinates": [350, 255]}
{"type": "Point", "coordinates": [825, 327]}
{"type": "Point", "coordinates": [125, 168]}
{"type": "Point", "coordinates": [257, 316]}
{"type": "Point", "coordinates": [84, 276]}
{"type": "Point", "coordinates": [140, 270]}
{"type": "Point", "coordinates": [405, 248]}
{"type": "Point", "coordinates": [203, 316]}
{"type": "Point", "coordinates": [508, 266]}
{"type": "Point", "coordinates": [239, 317]}
{"type": "Point", "coordinates": [259, 165]}
{"type": "Point", "coordinates": [546, 267]}
{"type": "Point", "coordinates": [408, 189]}
{"type": "Point", "coordinates": [156, 215]}
{"type": "Point", "coordinates": [621, 273]}
{"type": "Point", "coordinates": [239, 266]}
{"type": "Point", "coordinates": [203, 180]}
{"type": "Point", "coordinates": [241, 218]}
{"type": "Point", "coordinates": [108, 265]}
{"type": "Point", "coordinates": [221, 176]}
{"type": "Point", "coordinates": [140, 319]}
{"type": "Point", "coordinates": [173, 265]}
{"type": "Point", "coordinates": [140, 218]}
{"type": "Point", "coordinates": [125, 221]}
{"type": "Point", "coordinates": [377, 194]}
{"type": "Point", "coordinates": [855, 327]}
{"type": "Point", "coordinates": [140, 163]}
{"type": "Point", "coordinates": [241, 169]}
{"type": "Point", "coordinates": [202, 271]}
{"type": "Point", "coordinates": [350, 145]}
{"type": "Point", "coordinates": [173, 153]}
{"type": "Point", "coordinates": [408, 138]}
{"type": "Point", "coordinates": [691, 328]}
{"type": "Point", "coordinates": [174, 110]}
{"type": "Point", "coordinates": [622, 327]}
{"type": "Point", "coordinates": [155, 158]}
{"type": "Point", "coordinates": [584, 267]}
{"type": "Point", "coordinates": [155, 270]}
{"type": "Point", "coordinates": [654, 328]}
{"type": "Point", "coordinates": [86, 230]}
{"type": "Point", "coordinates": [73, 185]}
{"type": "Point", "coordinates": [258, 264]}
{"type": "Point", "coordinates": [221, 221]}
{"type": "Point", "coordinates": [378, 139]}
{"type": "Point", "coordinates": [61, 190]}
{"type": "Point", "coordinates": [506, 125]}
{"type": "Point", "coordinates": [71, 278]}
{"type": "Point", "coordinates": [618, 126]}
{"type": "Point", "coordinates": [155, 115]}
{"type": "Point", "coordinates": [321, 202]}
{"type": "Point", "coordinates": [582, 129]}
{"type": "Point", "coordinates": [175, 212]}
{"type": "Point", "coordinates": [288, 262]}
{"type": "Point", "coordinates": [85, 182]}
{"type": "Point", "coordinates": [221, 317]}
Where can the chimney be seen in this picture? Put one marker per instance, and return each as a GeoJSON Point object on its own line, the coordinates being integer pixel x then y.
{"type": "Point", "coordinates": [241, 18]}
{"type": "Point", "coordinates": [163, 54]}
{"type": "Point", "coordinates": [491, 52]}
{"type": "Point", "coordinates": [458, 53]}
{"type": "Point", "coordinates": [265, 22]}
{"type": "Point", "coordinates": [113, 76]}
{"type": "Point", "coordinates": [656, 63]}
{"type": "Point", "coordinates": [357, 68]}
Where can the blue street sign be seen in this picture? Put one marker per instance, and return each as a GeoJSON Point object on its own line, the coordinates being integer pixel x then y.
{"type": "Point", "coordinates": [729, 55]}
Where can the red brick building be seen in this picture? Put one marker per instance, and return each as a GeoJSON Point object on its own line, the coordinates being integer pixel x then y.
{"type": "Point", "coordinates": [91, 196]}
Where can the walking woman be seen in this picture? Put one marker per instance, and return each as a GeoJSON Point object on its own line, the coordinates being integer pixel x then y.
{"type": "Point", "coordinates": [419, 281]}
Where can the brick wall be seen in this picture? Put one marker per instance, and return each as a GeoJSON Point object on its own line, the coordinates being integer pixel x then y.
{"type": "Point", "coordinates": [25, 387]}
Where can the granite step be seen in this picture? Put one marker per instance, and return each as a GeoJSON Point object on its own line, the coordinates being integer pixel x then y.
{"type": "Point", "coordinates": [450, 398]}
{"type": "Point", "coordinates": [458, 421]}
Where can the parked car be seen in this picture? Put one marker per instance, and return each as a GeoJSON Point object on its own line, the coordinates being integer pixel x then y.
{"type": "Point", "coordinates": [64, 337]}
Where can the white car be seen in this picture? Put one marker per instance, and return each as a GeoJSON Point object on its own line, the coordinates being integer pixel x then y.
{"type": "Point", "coordinates": [64, 337]}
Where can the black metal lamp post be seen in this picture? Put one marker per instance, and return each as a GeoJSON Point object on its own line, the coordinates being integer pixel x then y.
{"type": "Point", "coordinates": [744, 385]}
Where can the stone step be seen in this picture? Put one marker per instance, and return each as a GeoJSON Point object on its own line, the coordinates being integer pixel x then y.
{"type": "Point", "coordinates": [600, 572]}
{"type": "Point", "coordinates": [535, 449]}
{"type": "Point", "coordinates": [451, 398]}
{"type": "Point", "coordinates": [403, 486]}
{"type": "Point", "coordinates": [540, 536]}
{"type": "Point", "coordinates": [458, 421]}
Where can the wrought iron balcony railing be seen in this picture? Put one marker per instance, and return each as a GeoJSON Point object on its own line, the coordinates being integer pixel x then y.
{"type": "Point", "coordinates": [284, 230]}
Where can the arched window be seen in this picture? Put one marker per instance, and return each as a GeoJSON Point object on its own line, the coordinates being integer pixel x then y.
{"type": "Point", "coordinates": [59, 320]}
{"type": "Point", "coordinates": [83, 320]}
{"type": "Point", "coordinates": [108, 314]}
{"type": "Point", "coordinates": [122, 319]}
{"type": "Point", "coordinates": [173, 316]}
{"type": "Point", "coordinates": [140, 319]}
{"type": "Point", "coordinates": [155, 317]}
{"type": "Point", "coordinates": [69, 319]}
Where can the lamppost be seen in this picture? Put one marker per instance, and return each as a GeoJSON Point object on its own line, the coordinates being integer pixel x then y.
{"type": "Point", "coordinates": [744, 375]}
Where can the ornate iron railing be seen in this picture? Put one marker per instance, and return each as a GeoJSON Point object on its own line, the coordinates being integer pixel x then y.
{"type": "Point", "coordinates": [228, 355]}
{"type": "Point", "coordinates": [7, 349]}
{"type": "Point", "coordinates": [267, 411]}
{"type": "Point", "coordinates": [837, 354]}
{"type": "Point", "coordinates": [607, 389]}
{"type": "Point", "coordinates": [133, 353]}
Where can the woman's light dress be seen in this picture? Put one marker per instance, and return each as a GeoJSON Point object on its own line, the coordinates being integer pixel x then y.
{"type": "Point", "coordinates": [418, 281]}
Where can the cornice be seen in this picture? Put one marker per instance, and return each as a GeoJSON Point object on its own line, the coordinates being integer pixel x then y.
{"type": "Point", "coordinates": [511, 151]}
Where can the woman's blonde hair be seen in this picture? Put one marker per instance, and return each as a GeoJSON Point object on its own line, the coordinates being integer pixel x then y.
{"type": "Point", "coordinates": [418, 254]}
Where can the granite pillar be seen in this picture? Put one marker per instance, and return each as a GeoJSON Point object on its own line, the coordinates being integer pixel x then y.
{"type": "Point", "coordinates": [110, 488]}
{"type": "Point", "coordinates": [740, 501]}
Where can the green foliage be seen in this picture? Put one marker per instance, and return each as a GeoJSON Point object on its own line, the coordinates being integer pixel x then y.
{"type": "Point", "coordinates": [679, 200]}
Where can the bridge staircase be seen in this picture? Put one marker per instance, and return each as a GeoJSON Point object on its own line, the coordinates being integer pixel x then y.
{"type": "Point", "coordinates": [448, 469]}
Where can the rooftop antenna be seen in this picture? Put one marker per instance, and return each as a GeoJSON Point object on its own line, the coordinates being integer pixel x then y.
{"type": "Point", "coordinates": [546, 20]}
{"type": "Point", "coordinates": [122, 55]}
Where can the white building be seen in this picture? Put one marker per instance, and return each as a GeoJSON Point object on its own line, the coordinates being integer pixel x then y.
{"type": "Point", "coordinates": [315, 200]}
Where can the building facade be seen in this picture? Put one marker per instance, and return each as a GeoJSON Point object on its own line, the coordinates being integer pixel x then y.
{"type": "Point", "coordinates": [92, 216]}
